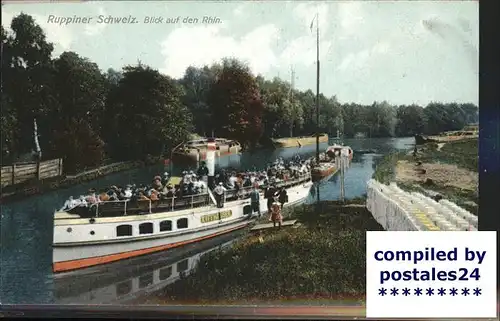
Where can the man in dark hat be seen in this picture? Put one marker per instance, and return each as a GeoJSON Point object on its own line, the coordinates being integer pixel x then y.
{"type": "Point", "coordinates": [203, 172]}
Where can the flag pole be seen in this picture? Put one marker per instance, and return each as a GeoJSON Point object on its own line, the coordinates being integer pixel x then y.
{"type": "Point", "coordinates": [317, 87]}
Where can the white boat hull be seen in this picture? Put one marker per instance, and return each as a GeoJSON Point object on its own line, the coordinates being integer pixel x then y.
{"type": "Point", "coordinates": [79, 244]}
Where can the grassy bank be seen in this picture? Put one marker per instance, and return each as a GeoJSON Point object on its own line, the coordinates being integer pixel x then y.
{"type": "Point", "coordinates": [449, 169]}
{"type": "Point", "coordinates": [323, 258]}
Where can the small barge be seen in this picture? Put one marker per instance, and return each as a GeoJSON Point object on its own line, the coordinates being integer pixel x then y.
{"type": "Point", "coordinates": [328, 165]}
{"type": "Point", "coordinates": [194, 151]}
{"type": "Point", "coordinates": [288, 142]}
{"type": "Point", "coordinates": [468, 132]}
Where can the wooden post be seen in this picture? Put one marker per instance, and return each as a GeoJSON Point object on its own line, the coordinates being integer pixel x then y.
{"type": "Point", "coordinates": [60, 166]}
{"type": "Point", "coordinates": [38, 169]}
{"type": "Point", "coordinates": [13, 177]}
{"type": "Point", "coordinates": [342, 177]}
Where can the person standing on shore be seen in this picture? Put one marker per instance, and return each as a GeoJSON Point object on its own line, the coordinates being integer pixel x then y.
{"type": "Point", "coordinates": [276, 216]}
{"type": "Point", "coordinates": [283, 197]}
{"type": "Point", "coordinates": [270, 194]}
{"type": "Point", "coordinates": [255, 202]}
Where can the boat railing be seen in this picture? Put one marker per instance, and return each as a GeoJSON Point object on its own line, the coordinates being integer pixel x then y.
{"type": "Point", "coordinates": [245, 191]}
{"type": "Point", "coordinates": [129, 206]}
{"type": "Point", "coordinates": [150, 206]}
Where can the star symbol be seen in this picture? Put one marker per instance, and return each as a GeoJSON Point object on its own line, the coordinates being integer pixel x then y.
{"type": "Point", "coordinates": [394, 291]}
{"type": "Point", "coordinates": [382, 291]}
{"type": "Point", "coordinates": [465, 291]}
{"type": "Point", "coordinates": [477, 291]}
{"type": "Point", "coordinates": [453, 291]}
{"type": "Point", "coordinates": [406, 291]}
{"type": "Point", "coordinates": [441, 291]}
{"type": "Point", "coordinates": [430, 291]}
{"type": "Point", "coordinates": [418, 291]}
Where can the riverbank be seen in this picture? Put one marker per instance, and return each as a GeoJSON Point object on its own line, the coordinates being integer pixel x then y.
{"type": "Point", "coordinates": [446, 169]}
{"type": "Point", "coordinates": [322, 258]}
{"type": "Point", "coordinates": [35, 187]}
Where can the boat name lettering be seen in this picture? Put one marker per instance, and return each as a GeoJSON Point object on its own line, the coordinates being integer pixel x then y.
{"type": "Point", "coordinates": [216, 216]}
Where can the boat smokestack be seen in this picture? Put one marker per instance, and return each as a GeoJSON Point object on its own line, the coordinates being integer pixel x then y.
{"type": "Point", "coordinates": [211, 149]}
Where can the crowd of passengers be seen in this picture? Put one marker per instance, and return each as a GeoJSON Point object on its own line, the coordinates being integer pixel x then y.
{"type": "Point", "coordinates": [192, 183]}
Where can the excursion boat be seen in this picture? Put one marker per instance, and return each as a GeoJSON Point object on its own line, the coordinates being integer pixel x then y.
{"type": "Point", "coordinates": [329, 166]}
{"type": "Point", "coordinates": [196, 150]}
{"type": "Point", "coordinates": [323, 170]}
{"type": "Point", "coordinates": [468, 132]}
{"type": "Point", "coordinates": [337, 149]}
{"type": "Point", "coordinates": [115, 230]}
{"type": "Point", "coordinates": [299, 141]}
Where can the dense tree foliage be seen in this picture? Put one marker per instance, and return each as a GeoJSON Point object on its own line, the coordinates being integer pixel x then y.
{"type": "Point", "coordinates": [86, 115]}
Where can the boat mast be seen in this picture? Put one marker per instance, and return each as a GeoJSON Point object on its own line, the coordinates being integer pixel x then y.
{"type": "Point", "coordinates": [317, 88]}
{"type": "Point", "coordinates": [290, 95]}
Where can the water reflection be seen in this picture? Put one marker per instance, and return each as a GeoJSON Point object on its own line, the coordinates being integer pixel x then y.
{"type": "Point", "coordinates": [121, 282]}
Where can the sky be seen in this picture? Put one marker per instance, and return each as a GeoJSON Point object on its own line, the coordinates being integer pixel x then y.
{"type": "Point", "coordinates": [402, 52]}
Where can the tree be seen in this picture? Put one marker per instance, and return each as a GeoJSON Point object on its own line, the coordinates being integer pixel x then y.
{"type": "Point", "coordinates": [197, 83]}
{"type": "Point", "coordinates": [81, 95]}
{"type": "Point", "coordinates": [410, 120]}
{"type": "Point", "coordinates": [236, 104]}
{"type": "Point", "coordinates": [26, 63]}
{"type": "Point", "coordinates": [147, 116]}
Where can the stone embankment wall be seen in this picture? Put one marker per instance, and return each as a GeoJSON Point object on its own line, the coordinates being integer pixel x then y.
{"type": "Point", "coordinates": [398, 210]}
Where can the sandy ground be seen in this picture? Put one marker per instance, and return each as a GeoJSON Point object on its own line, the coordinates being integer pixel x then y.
{"type": "Point", "coordinates": [441, 174]}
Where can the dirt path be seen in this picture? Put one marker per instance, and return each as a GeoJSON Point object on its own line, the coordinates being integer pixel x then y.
{"type": "Point", "coordinates": [441, 174]}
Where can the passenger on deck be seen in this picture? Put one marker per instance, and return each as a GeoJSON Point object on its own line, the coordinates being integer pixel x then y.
{"type": "Point", "coordinates": [142, 196]}
{"type": "Point", "coordinates": [103, 197]}
{"type": "Point", "coordinates": [69, 204]}
{"type": "Point", "coordinates": [166, 177]}
{"type": "Point", "coordinates": [238, 186]}
{"type": "Point", "coordinates": [219, 194]}
{"type": "Point", "coordinates": [128, 192]}
{"type": "Point", "coordinates": [92, 197]}
{"type": "Point", "coordinates": [154, 195]}
{"type": "Point", "coordinates": [203, 172]}
{"type": "Point", "coordinates": [247, 181]}
{"type": "Point", "coordinates": [81, 201]}
{"type": "Point", "coordinates": [185, 177]}
{"type": "Point", "coordinates": [112, 194]}
{"type": "Point", "coordinates": [232, 180]}
{"type": "Point", "coordinates": [170, 191]}
{"type": "Point", "coordinates": [157, 183]}
{"type": "Point", "coordinates": [200, 186]}
{"type": "Point", "coordinates": [192, 176]}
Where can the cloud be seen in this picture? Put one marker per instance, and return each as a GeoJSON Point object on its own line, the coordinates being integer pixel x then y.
{"type": "Point", "coordinates": [350, 16]}
{"type": "Point", "coordinates": [455, 37]}
{"type": "Point", "coordinates": [239, 10]}
{"type": "Point", "coordinates": [61, 36]}
{"type": "Point", "coordinates": [359, 60]}
{"type": "Point", "coordinates": [199, 46]}
{"type": "Point", "coordinates": [302, 51]}
{"type": "Point", "coordinates": [96, 28]}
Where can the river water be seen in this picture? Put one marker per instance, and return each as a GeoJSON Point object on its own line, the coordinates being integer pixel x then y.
{"type": "Point", "coordinates": [26, 226]}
